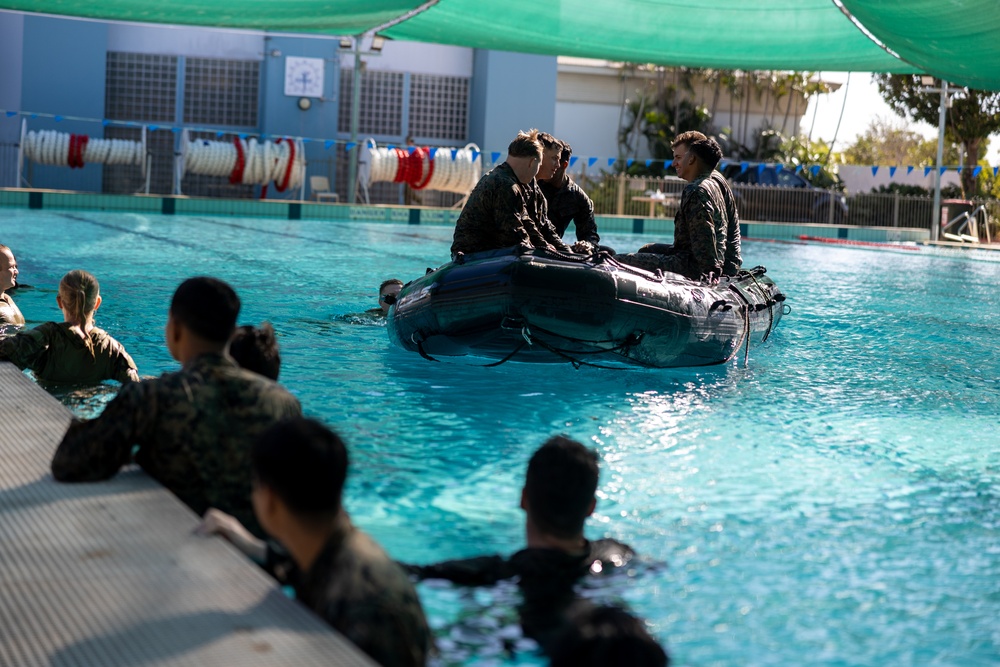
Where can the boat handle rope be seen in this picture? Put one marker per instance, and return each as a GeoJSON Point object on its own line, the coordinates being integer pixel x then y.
{"type": "Point", "coordinates": [745, 310]}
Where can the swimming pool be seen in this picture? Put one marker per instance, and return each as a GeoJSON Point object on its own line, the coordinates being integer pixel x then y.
{"type": "Point", "coordinates": [834, 503]}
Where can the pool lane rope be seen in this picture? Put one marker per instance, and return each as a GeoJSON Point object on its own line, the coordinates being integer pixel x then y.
{"type": "Point", "coordinates": [424, 168]}
{"type": "Point", "coordinates": [63, 149]}
{"type": "Point", "coordinates": [248, 161]}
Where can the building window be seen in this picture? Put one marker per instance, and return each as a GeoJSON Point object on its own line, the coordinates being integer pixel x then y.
{"type": "Point", "coordinates": [381, 103]}
{"type": "Point", "coordinates": [221, 93]}
{"type": "Point", "coordinates": [140, 87]}
{"type": "Point", "coordinates": [439, 107]}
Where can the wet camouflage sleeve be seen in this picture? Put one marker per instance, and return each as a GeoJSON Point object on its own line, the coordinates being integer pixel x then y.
{"type": "Point", "coordinates": [571, 204]}
{"type": "Point", "coordinates": [493, 216]}
{"type": "Point", "coordinates": [193, 429]}
{"type": "Point", "coordinates": [704, 215]}
{"type": "Point", "coordinates": [96, 449]}
{"type": "Point", "coordinates": [25, 349]}
{"type": "Point", "coordinates": [734, 255]}
{"type": "Point", "coordinates": [478, 571]}
{"type": "Point", "coordinates": [356, 588]}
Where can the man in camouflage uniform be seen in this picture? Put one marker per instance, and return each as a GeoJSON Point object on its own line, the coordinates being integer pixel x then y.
{"type": "Point", "coordinates": [193, 427]}
{"type": "Point", "coordinates": [706, 240]}
{"type": "Point", "coordinates": [567, 202]}
{"type": "Point", "coordinates": [507, 208]}
{"type": "Point", "coordinates": [558, 496]}
{"type": "Point", "coordinates": [299, 468]}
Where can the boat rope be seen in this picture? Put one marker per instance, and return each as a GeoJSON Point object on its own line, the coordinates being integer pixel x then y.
{"type": "Point", "coordinates": [770, 306]}
{"type": "Point", "coordinates": [745, 309]}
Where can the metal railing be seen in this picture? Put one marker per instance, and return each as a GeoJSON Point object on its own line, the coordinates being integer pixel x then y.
{"type": "Point", "coordinates": [618, 194]}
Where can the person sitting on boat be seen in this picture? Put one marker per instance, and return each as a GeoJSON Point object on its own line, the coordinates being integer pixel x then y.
{"type": "Point", "coordinates": [193, 427]}
{"type": "Point", "coordinates": [256, 349]}
{"type": "Point", "coordinates": [74, 351]}
{"type": "Point", "coordinates": [567, 202]}
{"type": "Point", "coordinates": [9, 312]}
{"type": "Point", "coordinates": [339, 572]}
{"type": "Point", "coordinates": [705, 243]}
{"type": "Point", "coordinates": [507, 208]}
{"type": "Point", "coordinates": [387, 293]}
{"type": "Point", "coordinates": [558, 496]}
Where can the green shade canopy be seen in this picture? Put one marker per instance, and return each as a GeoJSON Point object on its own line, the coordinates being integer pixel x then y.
{"type": "Point", "coordinates": [955, 39]}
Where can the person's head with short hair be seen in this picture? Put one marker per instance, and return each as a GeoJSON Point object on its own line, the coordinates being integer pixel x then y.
{"type": "Point", "coordinates": [202, 317]}
{"type": "Point", "coordinates": [551, 154]}
{"type": "Point", "coordinates": [8, 269]}
{"type": "Point", "coordinates": [605, 636]}
{"type": "Point", "coordinates": [256, 349]}
{"type": "Point", "coordinates": [560, 487]}
{"type": "Point", "coordinates": [524, 155]}
{"type": "Point", "coordinates": [299, 467]}
{"type": "Point", "coordinates": [695, 154]}
{"type": "Point", "coordinates": [387, 293]}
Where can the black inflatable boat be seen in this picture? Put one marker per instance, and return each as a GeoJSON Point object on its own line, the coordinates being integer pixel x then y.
{"type": "Point", "coordinates": [540, 307]}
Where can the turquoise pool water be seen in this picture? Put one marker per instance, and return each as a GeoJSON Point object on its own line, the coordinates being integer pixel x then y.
{"type": "Point", "coordinates": [833, 503]}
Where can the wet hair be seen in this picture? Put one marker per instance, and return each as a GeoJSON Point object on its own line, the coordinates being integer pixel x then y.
{"type": "Point", "coordinates": [206, 306]}
{"type": "Point", "coordinates": [390, 281]}
{"type": "Point", "coordinates": [526, 144]}
{"type": "Point", "coordinates": [304, 463]}
{"type": "Point", "coordinates": [567, 152]}
{"type": "Point", "coordinates": [548, 141]}
{"type": "Point", "coordinates": [78, 291]}
{"type": "Point", "coordinates": [605, 636]}
{"type": "Point", "coordinates": [560, 486]}
{"type": "Point", "coordinates": [256, 349]}
{"type": "Point", "coordinates": [705, 148]}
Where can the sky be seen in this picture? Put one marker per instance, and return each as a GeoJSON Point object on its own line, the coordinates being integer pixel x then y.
{"type": "Point", "coordinates": [863, 105]}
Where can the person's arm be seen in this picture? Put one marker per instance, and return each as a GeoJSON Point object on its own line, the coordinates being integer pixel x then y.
{"type": "Point", "coordinates": [216, 522]}
{"type": "Point", "coordinates": [25, 350]}
{"type": "Point", "coordinates": [546, 228]}
{"type": "Point", "coordinates": [700, 213]}
{"type": "Point", "coordinates": [96, 449]}
{"type": "Point", "coordinates": [509, 216]}
{"type": "Point", "coordinates": [478, 571]}
{"type": "Point", "coordinates": [583, 220]}
{"type": "Point", "coordinates": [125, 369]}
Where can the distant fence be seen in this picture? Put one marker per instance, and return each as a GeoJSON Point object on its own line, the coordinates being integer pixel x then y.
{"type": "Point", "coordinates": [618, 194]}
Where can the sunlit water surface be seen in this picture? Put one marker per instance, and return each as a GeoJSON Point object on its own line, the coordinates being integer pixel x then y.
{"type": "Point", "coordinates": [835, 502]}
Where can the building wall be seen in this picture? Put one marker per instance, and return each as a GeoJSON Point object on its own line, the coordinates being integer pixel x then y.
{"type": "Point", "coordinates": [63, 72]}
{"type": "Point", "coordinates": [510, 92]}
{"type": "Point", "coordinates": [11, 47]}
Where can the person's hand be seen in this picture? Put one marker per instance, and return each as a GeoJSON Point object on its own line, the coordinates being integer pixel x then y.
{"type": "Point", "coordinates": [228, 527]}
{"type": "Point", "coordinates": [583, 247]}
{"type": "Point", "coordinates": [711, 277]}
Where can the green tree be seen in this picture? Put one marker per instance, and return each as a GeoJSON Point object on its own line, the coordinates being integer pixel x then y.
{"type": "Point", "coordinates": [887, 143]}
{"type": "Point", "coordinates": [973, 116]}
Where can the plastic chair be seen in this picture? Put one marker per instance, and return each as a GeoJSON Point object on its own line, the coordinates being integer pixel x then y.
{"type": "Point", "coordinates": [320, 188]}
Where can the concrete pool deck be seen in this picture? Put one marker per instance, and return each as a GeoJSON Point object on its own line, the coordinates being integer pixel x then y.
{"type": "Point", "coordinates": [110, 573]}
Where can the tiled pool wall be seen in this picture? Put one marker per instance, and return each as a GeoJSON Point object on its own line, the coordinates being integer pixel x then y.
{"type": "Point", "coordinates": [291, 210]}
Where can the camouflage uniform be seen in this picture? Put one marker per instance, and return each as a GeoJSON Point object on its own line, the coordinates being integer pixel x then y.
{"type": "Point", "coordinates": [56, 354]}
{"type": "Point", "coordinates": [9, 312]}
{"type": "Point", "coordinates": [734, 258]}
{"type": "Point", "coordinates": [356, 588]}
{"type": "Point", "coordinates": [546, 578]}
{"type": "Point", "coordinates": [701, 227]}
{"type": "Point", "coordinates": [194, 428]}
{"type": "Point", "coordinates": [503, 212]}
{"type": "Point", "coordinates": [571, 204]}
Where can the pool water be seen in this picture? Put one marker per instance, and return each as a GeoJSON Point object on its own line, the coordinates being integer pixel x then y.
{"type": "Point", "coordinates": [834, 502]}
